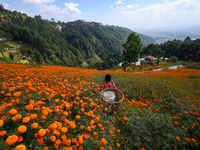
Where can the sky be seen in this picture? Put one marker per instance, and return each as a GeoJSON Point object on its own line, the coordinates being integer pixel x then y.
{"type": "Point", "coordinates": [133, 14]}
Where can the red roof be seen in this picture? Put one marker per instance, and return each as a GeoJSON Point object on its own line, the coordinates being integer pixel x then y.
{"type": "Point", "coordinates": [149, 57]}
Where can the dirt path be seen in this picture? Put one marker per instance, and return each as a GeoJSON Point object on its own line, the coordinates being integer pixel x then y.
{"type": "Point", "coordinates": [161, 69]}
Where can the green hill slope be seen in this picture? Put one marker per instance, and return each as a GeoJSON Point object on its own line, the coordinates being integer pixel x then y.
{"type": "Point", "coordinates": [51, 43]}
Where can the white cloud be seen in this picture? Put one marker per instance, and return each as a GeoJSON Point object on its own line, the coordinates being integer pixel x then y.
{"type": "Point", "coordinates": [50, 9]}
{"type": "Point", "coordinates": [119, 2]}
{"type": "Point", "coordinates": [71, 8]}
{"type": "Point", "coordinates": [27, 13]}
{"type": "Point", "coordinates": [178, 13]}
{"type": "Point", "coordinates": [38, 1]}
{"type": "Point", "coordinates": [129, 6]}
{"type": "Point", "coordinates": [5, 5]}
{"type": "Point", "coordinates": [111, 6]}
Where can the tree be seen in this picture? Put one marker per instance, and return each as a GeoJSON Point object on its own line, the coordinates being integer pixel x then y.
{"type": "Point", "coordinates": [132, 48]}
{"type": "Point", "coordinates": [11, 55]}
{"type": "Point", "coordinates": [1, 8]}
{"type": "Point", "coordinates": [2, 45]}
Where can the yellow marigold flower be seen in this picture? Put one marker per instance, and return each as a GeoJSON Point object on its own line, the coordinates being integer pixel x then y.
{"type": "Point", "coordinates": [20, 147]}
{"type": "Point", "coordinates": [13, 112]}
{"type": "Point", "coordinates": [22, 129]}
{"type": "Point", "coordinates": [42, 132]}
{"type": "Point", "coordinates": [11, 140]}
{"type": "Point", "coordinates": [1, 123]}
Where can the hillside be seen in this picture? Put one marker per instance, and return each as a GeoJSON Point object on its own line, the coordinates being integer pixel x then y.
{"type": "Point", "coordinates": [51, 43]}
{"type": "Point", "coordinates": [145, 39]}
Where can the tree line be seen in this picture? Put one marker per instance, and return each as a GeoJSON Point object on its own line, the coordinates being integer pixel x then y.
{"type": "Point", "coordinates": [187, 50]}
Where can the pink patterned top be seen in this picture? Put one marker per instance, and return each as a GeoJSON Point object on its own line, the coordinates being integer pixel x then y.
{"type": "Point", "coordinates": [107, 85]}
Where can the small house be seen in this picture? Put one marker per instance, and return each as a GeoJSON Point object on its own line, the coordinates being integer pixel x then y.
{"type": "Point", "coordinates": [148, 59]}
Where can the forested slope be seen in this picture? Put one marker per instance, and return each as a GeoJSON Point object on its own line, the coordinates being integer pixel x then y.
{"type": "Point", "coordinates": [43, 42]}
{"type": "Point", "coordinates": [188, 50]}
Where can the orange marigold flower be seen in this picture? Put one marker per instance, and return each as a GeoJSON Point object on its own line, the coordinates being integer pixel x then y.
{"type": "Point", "coordinates": [33, 116]}
{"type": "Point", "coordinates": [18, 116]}
{"type": "Point", "coordinates": [20, 147]}
{"type": "Point", "coordinates": [118, 130]}
{"type": "Point", "coordinates": [89, 129]}
{"type": "Point", "coordinates": [17, 94]}
{"type": "Point", "coordinates": [109, 147]}
{"type": "Point", "coordinates": [45, 112]}
{"type": "Point", "coordinates": [52, 138]}
{"type": "Point", "coordinates": [42, 132]}
{"type": "Point", "coordinates": [81, 127]}
{"type": "Point", "coordinates": [125, 118]}
{"type": "Point", "coordinates": [29, 107]}
{"type": "Point", "coordinates": [77, 117]}
{"type": "Point", "coordinates": [103, 141]}
{"type": "Point", "coordinates": [187, 139]}
{"type": "Point", "coordinates": [26, 119]}
{"type": "Point", "coordinates": [143, 148]}
{"type": "Point", "coordinates": [8, 94]}
{"type": "Point", "coordinates": [2, 133]}
{"type": "Point", "coordinates": [20, 138]}
{"type": "Point", "coordinates": [53, 126]}
{"type": "Point", "coordinates": [65, 113]}
{"type": "Point", "coordinates": [72, 125]}
{"type": "Point", "coordinates": [176, 123]}
{"type": "Point", "coordinates": [1, 123]}
{"type": "Point", "coordinates": [177, 138]}
{"type": "Point", "coordinates": [46, 148]}
{"type": "Point", "coordinates": [34, 125]}
{"type": "Point", "coordinates": [63, 129]}
{"type": "Point", "coordinates": [118, 145]}
{"type": "Point", "coordinates": [13, 112]}
{"type": "Point", "coordinates": [73, 140]}
{"type": "Point", "coordinates": [22, 129]}
{"type": "Point", "coordinates": [186, 112]}
{"type": "Point", "coordinates": [193, 140]}
{"type": "Point", "coordinates": [11, 140]}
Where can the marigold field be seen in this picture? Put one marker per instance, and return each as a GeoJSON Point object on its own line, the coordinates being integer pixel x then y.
{"type": "Point", "coordinates": [51, 107]}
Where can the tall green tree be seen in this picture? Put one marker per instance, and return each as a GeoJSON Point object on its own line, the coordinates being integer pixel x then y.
{"type": "Point", "coordinates": [132, 48]}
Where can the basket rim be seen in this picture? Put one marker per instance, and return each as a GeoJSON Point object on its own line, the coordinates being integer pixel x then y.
{"type": "Point", "coordinates": [107, 89]}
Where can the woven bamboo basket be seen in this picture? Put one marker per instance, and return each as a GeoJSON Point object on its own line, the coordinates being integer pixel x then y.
{"type": "Point", "coordinates": [119, 96]}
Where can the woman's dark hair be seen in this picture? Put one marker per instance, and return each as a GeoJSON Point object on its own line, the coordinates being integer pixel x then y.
{"type": "Point", "coordinates": [108, 77]}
